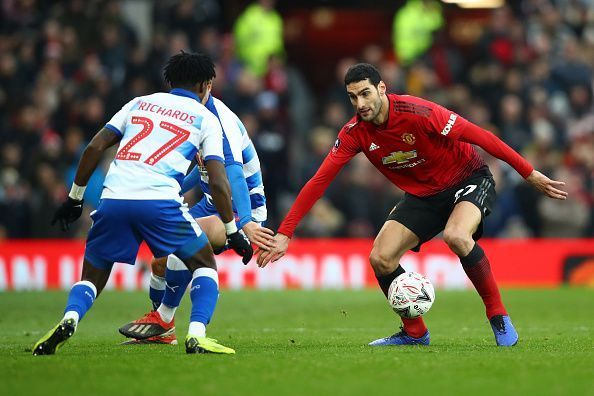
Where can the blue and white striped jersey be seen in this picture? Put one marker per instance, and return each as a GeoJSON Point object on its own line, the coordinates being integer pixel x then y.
{"type": "Point", "coordinates": [238, 149]}
{"type": "Point", "coordinates": [161, 134]}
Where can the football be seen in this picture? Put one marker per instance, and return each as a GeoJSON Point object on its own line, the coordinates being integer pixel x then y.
{"type": "Point", "coordinates": [411, 295]}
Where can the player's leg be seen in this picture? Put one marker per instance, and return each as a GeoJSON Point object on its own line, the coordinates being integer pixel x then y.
{"type": "Point", "coordinates": [411, 223]}
{"type": "Point", "coordinates": [176, 273]}
{"type": "Point", "coordinates": [103, 248]}
{"type": "Point", "coordinates": [204, 213]}
{"type": "Point", "coordinates": [175, 232]}
{"type": "Point", "coordinates": [463, 227]}
{"type": "Point", "coordinates": [157, 287]}
{"type": "Point", "coordinates": [158, 326]}
{"type": "Point", "coordinates": [176, 278]}
{"type": "Point", "coordinates": [214, 229]}
{"type": "Point", "coordinates": [204, 293]}
{"type": "Point", "coordinates": [169, 280]}
{"type": "Point", "coordinates": [157, 281]}
{"type": "Point", "coordinates": [80, 299]}
{"type": "Point", "coordinates": [163, 275]}
{"type": "Point", "coordinates": [393, 240]}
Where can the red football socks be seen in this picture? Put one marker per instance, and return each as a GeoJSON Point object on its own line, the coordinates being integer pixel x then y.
{"type": "Point", "coordinates": [414, 327]}
{"type": "Point", "coordinates": [477, 267]}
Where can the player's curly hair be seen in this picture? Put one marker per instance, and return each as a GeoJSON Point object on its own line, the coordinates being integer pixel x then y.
{"type": "Point", "coordinates": [360, 72]}
{"type": "Point", "coordinates": [188, 69]}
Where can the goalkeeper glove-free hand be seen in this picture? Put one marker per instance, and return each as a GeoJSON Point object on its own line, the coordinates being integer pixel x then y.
{"type": "Point", "coordinates": [239, 242]}
{"type": "Point", "coordinates": [66, 214]}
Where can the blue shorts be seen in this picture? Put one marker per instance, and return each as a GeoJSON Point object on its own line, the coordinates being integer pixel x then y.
{"type": "Point", "coordinates": [120, 226]}
{"type": "Point", "coordinates": [206, 208]}
{"type": "Point", "coordinates": [203, 208]}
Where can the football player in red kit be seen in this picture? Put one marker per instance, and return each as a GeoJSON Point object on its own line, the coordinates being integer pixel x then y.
{"type": "Point", "coordinates": [426, 150]}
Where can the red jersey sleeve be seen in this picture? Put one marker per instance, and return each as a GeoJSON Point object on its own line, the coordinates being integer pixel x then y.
{"type": "Point", "coordinates": [496, 147]}
{"type": "Point", "coordinates": [344, 149]}
{"type": "Point", "coordinates": [444, 122]}
{"type": "Point", "coordinates": [450, 124]}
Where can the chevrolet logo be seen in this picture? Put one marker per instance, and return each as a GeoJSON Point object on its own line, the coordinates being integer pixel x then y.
{"type": "Point", "coordinates": [399, 157]}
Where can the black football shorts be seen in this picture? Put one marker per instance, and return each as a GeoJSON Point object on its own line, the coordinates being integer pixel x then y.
{"type": "Point", "coordinates": [428, 216]}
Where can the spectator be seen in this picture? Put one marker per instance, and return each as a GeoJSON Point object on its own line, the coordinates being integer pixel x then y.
{"type": "Point", "coordinates": [258, 35]}
{"type": "Point", "coordinates": [64, 65]}
{"type": "Point", "coordinates": [413, 28]}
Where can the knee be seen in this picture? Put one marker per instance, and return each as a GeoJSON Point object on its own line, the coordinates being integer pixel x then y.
{"type": "Point", "coordinates": [381, 263]}
{"type": "Point", "coordinates": [200, 261]}
{"type": "Point", "coordinates": [158, 266]}
{"type": "Point", "coordinates": [214, 229]}
{"type": "Point", "coordinates": [458, 241]}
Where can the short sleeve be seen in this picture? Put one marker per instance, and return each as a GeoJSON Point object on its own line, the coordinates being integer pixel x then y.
{"type": "Point", "coordinates": [118, 122]}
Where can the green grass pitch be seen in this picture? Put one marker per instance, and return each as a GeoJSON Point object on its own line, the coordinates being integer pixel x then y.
{"type": "Point", "coordinates": [306, 343]}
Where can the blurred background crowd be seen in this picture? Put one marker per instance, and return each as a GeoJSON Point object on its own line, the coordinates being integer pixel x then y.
{"type": "Point", "coordinates": [522, 71]}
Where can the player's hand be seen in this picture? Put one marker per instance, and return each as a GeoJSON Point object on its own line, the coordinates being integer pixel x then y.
{"type": "Point", "coordinates": [239, 242]}
{"type": "Point", "coordinates": [277, 251]}
{"type": "Point", "coordinates": [547, 186]}
{"type": "Point", "coordinates": [258, 235]}
{"type": "Point", "coordinates": [66, 214]}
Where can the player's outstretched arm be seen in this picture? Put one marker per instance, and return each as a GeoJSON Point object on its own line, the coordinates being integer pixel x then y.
{"type": "Point", "coordinates": [221, 195]}
{"type": "Point", "coordinates": [549, 187]}
{"type": "Point", "coordinates": [497, 148]}
{"type": "Point", "coordinates": [71, 209]}
{"type": "Point", "coordinates": [220, 189]}
{"type": "Point", "coordinates": [276, 252]}
{"type": "Point", "coordinates": [260, 236]}
{"type": "Point", "coordinates": [307, 197]}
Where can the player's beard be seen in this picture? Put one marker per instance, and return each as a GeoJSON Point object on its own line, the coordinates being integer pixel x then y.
{"type": "Point", "coordinates": [375, 110]}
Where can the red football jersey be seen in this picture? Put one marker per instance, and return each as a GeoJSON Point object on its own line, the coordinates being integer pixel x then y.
{"type": "Point", "coordinates": [416, 149]}
{"type": "Point", "coordinates": [422, 148]}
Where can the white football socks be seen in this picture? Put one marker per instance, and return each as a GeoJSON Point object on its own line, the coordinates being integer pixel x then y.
{"type": "Point", "coordinates": [157, 282]}
{"type": "Point", "coordinates": [197, 329]}
{"type": "Point", "coordinates": [166, 312]}
{"type": "Point", "coordinates": [72, 315]}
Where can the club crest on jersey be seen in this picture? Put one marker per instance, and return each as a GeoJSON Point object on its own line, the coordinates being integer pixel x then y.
{"type": "Point", "coordinates": [408, 138]}
{"type": "Point", "coordinates": [399, 157]}
{"type": "Point", "coordinates": [336, 145]}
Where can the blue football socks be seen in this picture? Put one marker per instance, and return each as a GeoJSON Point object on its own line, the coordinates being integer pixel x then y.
{"type": "Point", "coordinates": [177, 279]}
{"type": "Point", "coordinates": [204, 294]}
{"type": "Point", "coordinates": [80, 300]}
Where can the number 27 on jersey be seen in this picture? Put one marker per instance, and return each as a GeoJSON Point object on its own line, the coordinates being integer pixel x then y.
{"type": "Point", "coordinates": [181, 135]}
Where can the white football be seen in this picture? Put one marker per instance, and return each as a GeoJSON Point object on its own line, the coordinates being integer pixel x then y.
{"type": "Point", "coordinates": [411, 295]}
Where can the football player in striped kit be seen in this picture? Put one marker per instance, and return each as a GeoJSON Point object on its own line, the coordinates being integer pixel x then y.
{"type": "Point", "coordinates": [158, 136]}
{"type": "Point", "coordinates": [170, 277]}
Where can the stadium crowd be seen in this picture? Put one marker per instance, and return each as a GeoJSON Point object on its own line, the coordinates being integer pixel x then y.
{"type": "Point", "coordinates": [66, 67]}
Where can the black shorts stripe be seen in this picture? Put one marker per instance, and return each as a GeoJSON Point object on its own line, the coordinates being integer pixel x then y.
{"type": "Point", "coordinates": [482, 191]}
{"type": "Point", "coordinates": [488, 185]}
